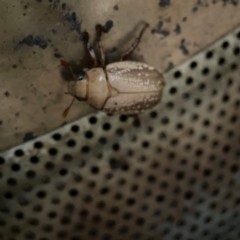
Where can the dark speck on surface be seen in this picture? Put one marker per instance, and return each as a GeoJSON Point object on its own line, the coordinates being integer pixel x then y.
{"type": "Point", "coordinates": [225, 2]}
{"type": "Point", "coordinates": [7, 94]}
{"type": "Point", "coordinates": [183, 47]}
{"type": "Point", "coordinates": [108, 25]}
{"type": "Point", "coordinates": [198, 4]}
{"type": "Point", "coordinates": [159, 30]}
{"type": "Point", "coordinates": [39, 0]}
{"type": "Point", "coordinates": [14, 66]}
{"type": "Point", "coordinates": [115, 7]}
{"type": "Point", "coordinates": [169, 67]}
{"type": "Point", "coordinates": [184, 19]}
{"type": "Point", "coordinates": [28, 136]}
{"type": "Point", "coordinates": [54, 4]}
{"type": "Point", "coordinates": [57, 55]}
{"type": "Point", "coordinates": [31, 41]}
{"type": "Point", "coordinates": [63, 6]}
{"type": "Point", "coordinates": [72, 18]}
{"type": "Point", "coordinates": [54, 31]}
{"type": "Point", "coordinates": [164, 3]}
{"type": "Point", "coordinates": [1, 122]}
{"type": "Point", "coordinates": [177, 30]}
{"type": "Point", "coordinates": [40, 42]}
{"type": "Point", "coordinates": [233, 2]}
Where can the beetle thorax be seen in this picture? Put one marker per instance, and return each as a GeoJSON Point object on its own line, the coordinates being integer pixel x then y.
{"type": "Point", "coordinates": [97, 87]}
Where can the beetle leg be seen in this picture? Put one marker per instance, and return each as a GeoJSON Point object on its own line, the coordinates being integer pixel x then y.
{"type": "Point", "coordinates": [89, 48]}
{"type": "Point", "coordinates": [134, 44]}
{"type": "Point", "coordinates": [67, 65]}
{"type": "Point", "coordinates": [99, 44]}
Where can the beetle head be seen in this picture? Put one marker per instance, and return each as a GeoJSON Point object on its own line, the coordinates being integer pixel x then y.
{"type": "Point", "coordinates": [78, 88]}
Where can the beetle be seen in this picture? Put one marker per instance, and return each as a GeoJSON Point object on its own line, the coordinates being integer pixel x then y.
{"type": "Point", "coordinates": [124, 87]}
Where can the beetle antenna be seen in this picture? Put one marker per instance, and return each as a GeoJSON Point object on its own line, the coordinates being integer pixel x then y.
{"type": "Point", "coordinates": [65, 112]}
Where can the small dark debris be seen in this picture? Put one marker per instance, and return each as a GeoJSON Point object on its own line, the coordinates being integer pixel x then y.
{"type": "Point", "coordinates": [14, 66]}
{"type": "Point", "coordinates": [108, 25]}
{"type": "Point", "coordinates": [40, 42]}
{"type": "Point", "coordinates": [31, 41]}
{"type": "Point", "coordinates": [28, 136]}
{"type": "Point", "coordinates": [57, 55]}
{"type": "Point", "coordinates": [164, 3]}
{"type": "Point", "coordinates": [198, 4]}
{"type": "Point", "coordinates": [177, 30]}
{"type": "Point", "coordinates": [233, 2]}
{"type": "Point", "coordinates": [39, 0]}
{"type": "Point", "coordinates": [55, 4]}
{"type": "Point", "coordinates": [159, 30]}
{"type": "Point", "coordinates": [54, 31]}
{"type": "Point", "coordinates": [183, 47]}
{"type": "Point", "coordinates": [63, 6]}
{"type": "Point", "coordinates": [7, 94]}
{"type": "Point", "coordinates": [1, 122]}
{"type": "Point", "coordinates": [165, 33]}
{"type": "Point", "coordinates": [169, 67]}
{"type": "Point", "coordinates": [184, 19]}
{"type": "Point", "coordinates": [17, 114]}
{"type": "Point", "coordinates": [115, 7]}
{"type": "Point", "coordinates": [76, 25]}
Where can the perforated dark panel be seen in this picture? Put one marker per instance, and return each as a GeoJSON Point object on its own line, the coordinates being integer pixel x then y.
{"type": "Point", "coordinates": [173, 175]}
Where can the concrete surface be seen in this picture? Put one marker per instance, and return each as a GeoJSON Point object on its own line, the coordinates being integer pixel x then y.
{"type": "Point", "coordinates": [36, 34]}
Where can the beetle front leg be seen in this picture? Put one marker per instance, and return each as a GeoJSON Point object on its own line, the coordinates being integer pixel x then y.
{"type": "Point", "coordinates": [99, 44]}
{"type": "Point", "coordinates": [89, 48]}
{"type": "Point", "coordinates": [134, 44]}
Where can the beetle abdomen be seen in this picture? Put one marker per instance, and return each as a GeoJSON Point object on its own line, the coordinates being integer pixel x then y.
{"type": "Point", "coordinates": [129, 76]}
{"type": "Point", "coordinates": [131, 103]}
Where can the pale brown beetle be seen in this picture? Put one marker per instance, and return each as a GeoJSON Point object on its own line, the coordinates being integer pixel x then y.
{"type": "Point", "coordinates": [124, 87]}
